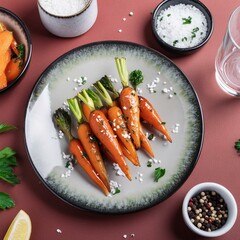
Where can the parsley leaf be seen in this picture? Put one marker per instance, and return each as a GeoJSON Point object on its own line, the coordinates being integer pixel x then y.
{"type": "Point", "coordinates": [6, 201]}
{"type": "Point", "coordinates": [237, 146]}
{"type": "Point", "coordinates": [117, 190]}
{"type": "Point", "coordinates": [187, 20]}
{"type": "Point", "coordinates": [5, 127]}
{"type": "Point", "coordinates": [136, 78]}
{"type": "Point", "coordinates": [158, 173]}
{"type": "Point", "coordinates": [7, 160]}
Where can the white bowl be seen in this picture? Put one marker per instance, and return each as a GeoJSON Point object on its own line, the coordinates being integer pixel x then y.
{"type": "Point", "coordinates": [63, 23]}
{"type": "Point", "coordinates": [229, 200]}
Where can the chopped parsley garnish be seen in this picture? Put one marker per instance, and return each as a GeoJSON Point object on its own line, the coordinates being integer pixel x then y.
{"type": "Point", "coordinates": [149, 163]}
{"type": "Point", "coordinates": [187, 20]}
{"type": "Point", "coordinates": [158, 173]}
{"type": "Point", "coordinates": [117, 190]}
{"type": "Point", "coordinates": [151, 136]}
{"type": "Point", "coordinates": [175, 42]}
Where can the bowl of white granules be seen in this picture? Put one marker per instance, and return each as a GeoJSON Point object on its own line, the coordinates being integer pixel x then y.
{"type": "Point", "coordinates": [182, 26]}
{"type": "Point", "coordinates": [68, 18]}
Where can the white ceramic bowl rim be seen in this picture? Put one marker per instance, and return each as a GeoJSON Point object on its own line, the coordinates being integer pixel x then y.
{"type": "Point", "coordinates": [229, 200]}
{"type": "Point", "coordinates": [69, 16]}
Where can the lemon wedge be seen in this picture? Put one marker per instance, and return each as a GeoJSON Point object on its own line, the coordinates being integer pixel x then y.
{"type": "Point", "coordinates": [20, 228]}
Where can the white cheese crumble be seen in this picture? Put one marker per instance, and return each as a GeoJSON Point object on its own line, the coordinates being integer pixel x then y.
{"type": "Point", "coordinates": [131, 14]}
{"type": "Point", "coordinates": [175, 128]}
{"type": "Point", "coordinates": [59, 230]}
{"type": "Point", "coordinates": [120, 30]}
{"type": "Point", "coordinates": [182, 25]}
{"type": "Point", "coordinates": [118, 170]}
{"type": "Point", "coordinates": [114, 187]}
{"type": "Point", "coordinates": [139, 177]}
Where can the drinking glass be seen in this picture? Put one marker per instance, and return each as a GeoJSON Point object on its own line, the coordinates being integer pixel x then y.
{"type": "Point", "coordinates": [227, 62]}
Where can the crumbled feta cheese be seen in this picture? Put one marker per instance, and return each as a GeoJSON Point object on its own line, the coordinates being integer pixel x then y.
{"type": "Point", "coordinates": [131, 14]}
{"type": "Point", "coordinates": [120, 30]}
{"type": "Point", "coordinates": [59, 230]}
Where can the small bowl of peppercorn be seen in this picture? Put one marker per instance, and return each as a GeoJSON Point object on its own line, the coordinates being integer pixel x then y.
{"type": "Point", "coordinates": [182, 26]}
{"type": "Point", "coordinates": [209, 209]}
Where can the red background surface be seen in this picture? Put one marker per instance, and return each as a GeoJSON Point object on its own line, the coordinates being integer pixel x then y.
{"type": "Point", "coordinates": [218, 162]}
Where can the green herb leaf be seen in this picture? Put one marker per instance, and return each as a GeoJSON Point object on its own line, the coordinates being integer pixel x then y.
{"type": "Point", "coordinates": [5, 127]}
{"type": "Point", "coordinates": [158, 173]}
{"type": "Point", "coordinates": [187, 20]}
{"type": "Point", "coordinates": [117, 190]}
{"type": "Point", "coordinates": [7, 160]}
{"type": "Point", "coordinates": [151, 136]}
{"type": "Point", "coordinates": [237, 146]}
{"type": "Point", "coordinates": [136, 78]}
{"type": "Point", "coordinates": [149, 163]}
{"type": "Point", "coordinates": [6, 201]}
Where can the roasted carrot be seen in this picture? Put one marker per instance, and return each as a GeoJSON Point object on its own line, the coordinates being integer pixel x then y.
{"type": "Point", "coordinates": [150, 115]}
{"type": "Point", "coordinates": [86, 111]}
{"type": "Point", "coordinates": [129, 102]}
{"type": "Point", "coordinates": [116, 119]}
{"type": "Point", "coordinates": [13, 43]}
{"type": "Point", "coordinates": [78, 152]}
{"type": "Point", "coordinates": [6, 38]}
{"type": "Point", "coordinates": [13, 69]}
{"type": "Point", "coordinates": [128, 155]}
{"type": "Point", "coordinates": [3, 80]}
{"type": "Point", "coordinates": [103, 131]}
{"type": "Point", "coordinates": [115, 115]}
{"type": "Point", "coordinates": [89, 142]}
{"type": "Point", "coordinates": [63, 121]}
{"type": "Point", "coordinates": [145, 144]}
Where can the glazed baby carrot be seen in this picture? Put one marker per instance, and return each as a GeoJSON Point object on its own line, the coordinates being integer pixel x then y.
{"type": "Point", "coordinates": [117, 121]}
{"type": "Point", "coordinates": [103, 131]}
{"type": "Point", "coordinates": [150, 115]}
{"type": "Point", "coordinates": [129, 102]}
{"type": "Point", "coordinates": [145, 144]}
{"type": "Point", "coordinates": [128, 155]}
{"type": "Point", "coordinates": [86, 110]}
{"type": "Point", "coordinates": [63, 121]}
{"type": "Point", "coordinates": [89, 142]}
{"type": "Point", "coordinates": [13, 69]}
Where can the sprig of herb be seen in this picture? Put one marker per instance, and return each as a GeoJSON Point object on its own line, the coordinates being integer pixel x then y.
{"type": "Point", "coordinates": [158, 173]}
{"type": "Point", "coordinates": [5, 127]}
{"type": "Point", "coordinates": [6, 201]}
{"type": "Point", "coordinates": [136, 78]}
{"type": "Point", "coordinates": [7, 161]}
{"type": "Point", "coordinates": [237, 146]}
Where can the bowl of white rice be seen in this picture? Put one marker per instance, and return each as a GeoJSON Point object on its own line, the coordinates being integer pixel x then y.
{"type": "Point", "coordinates": [182, 26]}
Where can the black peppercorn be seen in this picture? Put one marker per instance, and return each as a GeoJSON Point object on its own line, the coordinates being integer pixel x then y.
{"type": "Point", "coordinates": [208, 211]}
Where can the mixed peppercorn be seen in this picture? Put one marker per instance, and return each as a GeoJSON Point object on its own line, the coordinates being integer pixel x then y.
{"type": "Point", "coordinates": [208, 211]}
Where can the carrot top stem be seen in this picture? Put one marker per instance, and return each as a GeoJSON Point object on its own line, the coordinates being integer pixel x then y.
{"type": "Point", "coordinates": [97, 102]}
{"type": "Point", "coordinates": [86, 99]}
{"type": "Point", "coordinates": [122, 70]}
{"type": "Point", "coordinates": [106, 82]}
{"type": "Point", "coordinates": [75, 108]}
{"type": "Point", "coordinates": [63, 122]}
{"type": "Point", "coordinates": [101, 90]}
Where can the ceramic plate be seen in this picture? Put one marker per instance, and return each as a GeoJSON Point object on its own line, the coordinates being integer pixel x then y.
{"type": "Point", "coordinates": [173, 97]}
